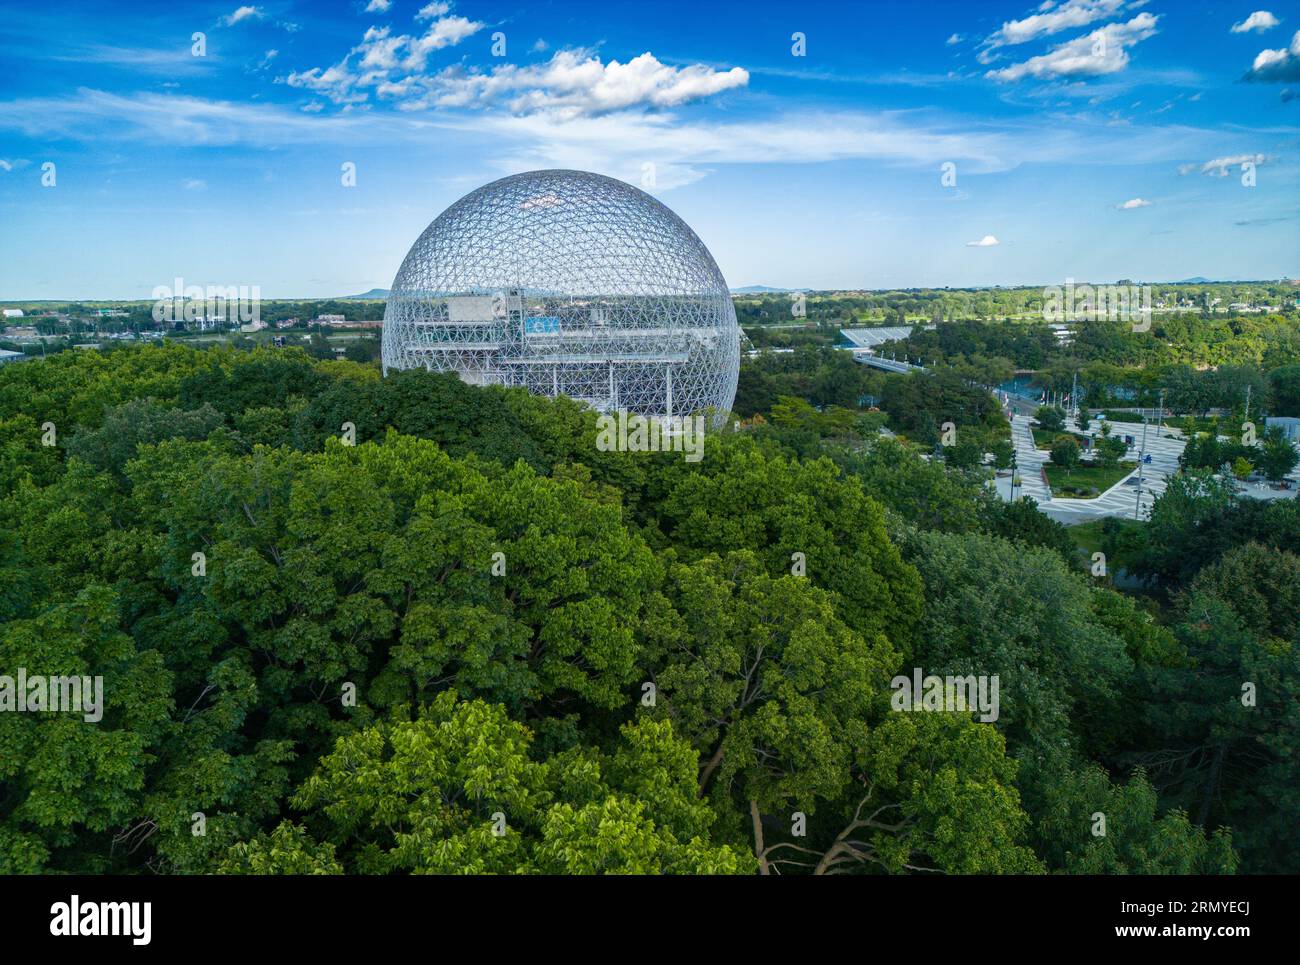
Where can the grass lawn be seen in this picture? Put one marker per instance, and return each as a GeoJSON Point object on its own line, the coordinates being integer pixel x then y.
{"type": "Point", "coordinates": [1085, 477]}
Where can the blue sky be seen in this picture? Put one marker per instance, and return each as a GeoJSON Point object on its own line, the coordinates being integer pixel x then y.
{"type": "Point", "coordinates": [1092, 139]}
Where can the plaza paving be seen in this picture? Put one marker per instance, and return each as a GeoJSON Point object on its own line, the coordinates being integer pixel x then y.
{"type": "Point", "coordinates": [1164, 447]}
{"type": "Point", "coordinates": [1121, 499]}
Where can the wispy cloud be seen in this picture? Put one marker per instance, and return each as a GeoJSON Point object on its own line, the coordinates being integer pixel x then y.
{"type": "Point", "coordinates": [170, 118]}
{"type": "Point", "coordinates": [1259, 21]}
{"type": "Point", "coordinates": [387, 63]}
{"type": "Point", "coordinates": [166, 59]}
{"type": "Point", "coordinates": [433, 11]}
{"type": "Point", "coordinates": [1260, 222]}
{"type": "Point", "coordinates": [1132, 203]}
{"type": "Point", "coordinates": [1049, 21]}
{"type": "Point", "coordinates": [240, 14]}
{"type": "Point", "coordinates": [988, 241]}
{"type": "Point", "coordinates": [1218, 167]}
{"type": "Point", "coordinates": [620, 140]}
{"type": "Point", "coordinates": [1101, 52]}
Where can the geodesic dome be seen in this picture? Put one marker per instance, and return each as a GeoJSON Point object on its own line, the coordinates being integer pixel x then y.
{"type": "Point", "coordinates": [565, 282]}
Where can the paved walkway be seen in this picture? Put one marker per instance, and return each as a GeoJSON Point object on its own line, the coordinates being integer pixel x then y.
{"type": "Point", "coordinates": [1164, 446]}
{"type": "Point", "coordinates": [1029, 463]}
{"type": "Point", "coordinates": [1121, 499]}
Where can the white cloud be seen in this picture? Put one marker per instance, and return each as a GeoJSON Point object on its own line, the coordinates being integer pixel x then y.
{"type": "Point", "coordinates": [573, 83]}
{"type": "Point", "coordinates": [1051, 20]}
{"type": "Point", "coordinates": [540, 46]}
{"type": "Point", "coordinates": [954, 39]}
{"type": "Point", "coordinates": [576, 83]}
{"type": "Point", "coordinates": [5, 165]}
{"type": "Point", "coordinates": [1277, 65]}
{"type": "Point", "coordinates": [446, 32]}
{"type": "Point", "coordinates": [194, 184]}
{"type": "Point", "coordinates": [381, 54]}
{"type": "Point", "coordinates": [1103, 51]}
{"type": "Point", "coordinates": [1259, 21]}
{"type": "Point", "coordinates": [1132, 203]}
{"type": "Point", "coordinates": [684, 148]}
{"type": "Point", "coordinates": [988, 241]}
{"type": "Point", "coordinates": [1218, 167]}
{"type": "Point", "coordinates": [171, 60]}
{"type": "Point", "coordinates": [196, 121]}
{"type": "Point", "coordinates": [378, 6]}
{"type": "Point", "coordinates": [433, 11]}
{"type": "Point", "coordinates": [241, 14]}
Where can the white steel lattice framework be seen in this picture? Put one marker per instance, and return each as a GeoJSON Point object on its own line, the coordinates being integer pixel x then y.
{"type": "Point", "coordinates": [565, 282]}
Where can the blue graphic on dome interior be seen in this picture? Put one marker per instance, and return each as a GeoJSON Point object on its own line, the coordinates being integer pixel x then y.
{"type": "Point", "coordinates": [542, 325]}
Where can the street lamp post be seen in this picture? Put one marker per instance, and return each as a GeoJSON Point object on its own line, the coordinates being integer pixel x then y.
{"type": "Point", "coordinates": [1137, 502]}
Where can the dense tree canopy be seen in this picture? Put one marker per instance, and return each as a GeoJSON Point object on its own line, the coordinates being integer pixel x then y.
{"type": "Point", "coordinates": [347, 624]}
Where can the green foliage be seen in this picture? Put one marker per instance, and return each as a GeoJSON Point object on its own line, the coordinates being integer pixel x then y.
{"type": "Point", "coordinates": [288, 850]}
{"type": "Point", "coordinates": [919, 491]}
{"type": "Point", "coordinates": [1023, 522]}
{"type": "Point", "coordinates": [439, 407]}
{"type": "Point", "coordinates": [1096, 827]}
{"type": "Point", "coordinates": [824, 377]}
{"type": "Point", "coordinates": [1021, 613]}
{"type": "Point", "coordinates": [1065, 452]}
{"type": "Point", "coordinates": [311, 647]}
{"type": "Point", "coordinates": [914, 401]}
{"type": "Point", "coordinates": [1109, 451]}
{"type": "Point", "coordinates": [1051, 418]}
{"type": "Point", "coordinates": [1284, 387]}
{"type": "Point", "coordinates": [456, 792]}
{"type": "Point", "coordinates": [740, 498]}
{"type": "Point", "coordinates": [126, 427]}
{"type": "Point", "coordinates": [1228, 720]}
{"type": "Point", "coordinates": [1278, 456]}
{"type": "Point", "coordinates": [1198, 518]}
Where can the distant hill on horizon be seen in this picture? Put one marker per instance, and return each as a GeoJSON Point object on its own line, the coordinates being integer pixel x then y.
{"type": "Point", "coordinates": [373, 294]}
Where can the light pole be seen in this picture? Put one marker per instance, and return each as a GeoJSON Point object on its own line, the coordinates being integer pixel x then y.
{"type": "Point", "coordinates": [1137, 502]}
